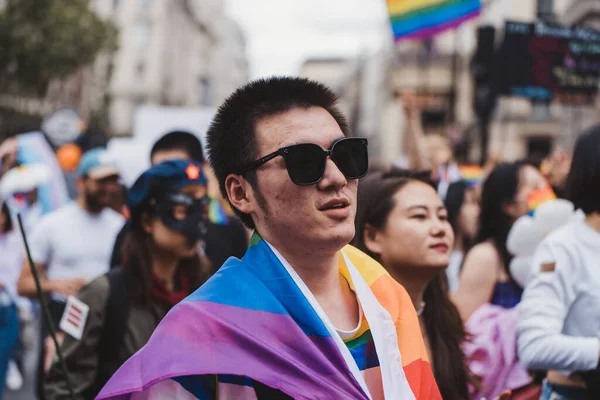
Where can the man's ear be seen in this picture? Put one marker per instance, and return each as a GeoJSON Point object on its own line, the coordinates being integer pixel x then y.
{"type": "Point", "coordinates": [240, 193]}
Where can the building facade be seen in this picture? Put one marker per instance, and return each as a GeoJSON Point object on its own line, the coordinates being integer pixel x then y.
{"type": "Point", "coordinates": [174, 53]}
{"type": "Point", "coordinates": [439, 70]}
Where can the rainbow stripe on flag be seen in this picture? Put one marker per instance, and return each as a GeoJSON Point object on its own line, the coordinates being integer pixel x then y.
{"type": "Point", "coordinates": [539, 197]}
{"type": "Point", "coordinates": [472, 175]}
{"type": "Point", "coordinates": [216, 213]}
{"type": "Point", "coordinates": [415, 19]}
{"type": "Point", "coordinates": [250, 323]}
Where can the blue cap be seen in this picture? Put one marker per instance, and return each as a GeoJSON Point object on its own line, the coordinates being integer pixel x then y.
{"type": "Point", "coordinates": [97, 164]}
{"type": "Point", "coordinates": [165, 177]}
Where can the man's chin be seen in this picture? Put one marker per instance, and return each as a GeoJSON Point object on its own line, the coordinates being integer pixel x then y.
{"type": "Point", "coordinates": [339, 235]}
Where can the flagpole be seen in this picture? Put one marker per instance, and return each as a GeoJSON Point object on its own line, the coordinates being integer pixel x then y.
{"type": "Point", "coordinates": [45, 309]}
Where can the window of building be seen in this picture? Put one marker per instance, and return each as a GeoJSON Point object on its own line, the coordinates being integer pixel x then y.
{"type": "Point", "coordinates": [115, 4]}
{"type": "Point", "coordinates": [142, 34]}
{"type": "Point", "coordinates": [205, 91]}
{"type": "Point", "coordinates": [145, 4]}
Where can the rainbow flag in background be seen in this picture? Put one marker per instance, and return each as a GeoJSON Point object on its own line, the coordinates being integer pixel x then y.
{"type": "Point", "coordinates": [415, 19]}
{"type": "Point", "coordinates": [472, 175]}
{"type": "Point", "coordinates": [251, 323]}
{"type": "Point", "coordinates": [539, 197]}
{"type": "Point", "coordinates": [216, 213]}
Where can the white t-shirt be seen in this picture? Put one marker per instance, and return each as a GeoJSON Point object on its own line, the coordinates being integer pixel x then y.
{"type": "Point", "coordinates": [74, 243]}
{"type": "Point", "coordinates": [559, 321]}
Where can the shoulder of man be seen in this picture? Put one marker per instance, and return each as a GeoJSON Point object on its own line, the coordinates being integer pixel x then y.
{"type": "Point", "coordinates": [56, 217]}
{"type": "Point", "coordinates": [113, 216]}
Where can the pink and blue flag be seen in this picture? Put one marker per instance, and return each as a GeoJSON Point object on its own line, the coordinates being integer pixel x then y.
{"type": "Point", "coordinates": [251, 325]}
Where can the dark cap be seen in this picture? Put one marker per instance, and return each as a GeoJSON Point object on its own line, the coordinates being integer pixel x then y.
{"type": "Point", "coordinates": [163, 178]}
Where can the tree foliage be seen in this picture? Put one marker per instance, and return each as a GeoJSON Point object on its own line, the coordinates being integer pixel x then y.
{"type": "Point", "coordinates": [41, 40]}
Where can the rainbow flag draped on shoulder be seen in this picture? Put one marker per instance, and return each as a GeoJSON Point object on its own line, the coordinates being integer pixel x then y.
{"type": "Point", "coordinates": [255, 323]}
{"type": "Point", "coordinates": [415, 19]}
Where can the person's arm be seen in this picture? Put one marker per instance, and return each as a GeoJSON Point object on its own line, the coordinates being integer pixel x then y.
{"type": "Point", "coordinates": [26, 286]}
{"type": "Point", "coordinates": [477, 279]}
{"type": "Point", "coordinates": [81, 356]}
{"type": "Point", "coordinates": [414, 139]}
{"type": "Point", "coordinates": [542, 311]}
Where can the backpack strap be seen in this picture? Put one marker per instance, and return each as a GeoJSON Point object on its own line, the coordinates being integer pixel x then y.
{"type": "Point", "coordinates": [115, 325]}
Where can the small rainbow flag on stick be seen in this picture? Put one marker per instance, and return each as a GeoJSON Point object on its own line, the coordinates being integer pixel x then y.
{"type": "Point", "coordinates": [539, 197]}
{"type": "Point", "coordinates": [471, 174]}
{"type": "Point", "coordinates": [415, 19]}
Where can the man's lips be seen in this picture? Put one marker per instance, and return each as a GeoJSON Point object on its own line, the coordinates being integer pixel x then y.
{"type": "Point", "coordinates": [334, 204]}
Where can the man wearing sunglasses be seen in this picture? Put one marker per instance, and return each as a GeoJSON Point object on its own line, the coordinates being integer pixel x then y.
{"type": "Point", "coordinates": [302, 314]}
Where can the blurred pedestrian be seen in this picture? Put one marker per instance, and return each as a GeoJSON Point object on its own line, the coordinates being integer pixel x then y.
{"type": "Point", "coordinates": [11, 251]}
{"type": "Point", "coordinates": [169, 207]}
{"type": "Point", "coordinates": [462, 204]}
{"type": "Point", "coordinates": [560, 311]}
{"type": "Point", "coordinates": [485, 276]}
{"type": "Point", "coordinates": [72, 245]}
{"type": "Point", "coordinates": [402, 222]}
{"type": "Point", "coordinates": [226, 236]}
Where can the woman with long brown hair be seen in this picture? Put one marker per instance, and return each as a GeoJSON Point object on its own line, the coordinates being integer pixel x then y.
{"type": "Point", "coordinates": [161, 266]}
{"type": "Point", "coordinates": [402, 222]}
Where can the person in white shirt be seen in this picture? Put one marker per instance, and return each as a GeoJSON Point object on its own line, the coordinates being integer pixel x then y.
{"type": "Point", "coordinates": [559, 321]}
{"type": "Point", "coordinates": [72, 245]}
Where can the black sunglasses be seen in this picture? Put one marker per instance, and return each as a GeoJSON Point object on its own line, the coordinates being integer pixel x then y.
{"type": "Point", "coordinates": [305, 162]}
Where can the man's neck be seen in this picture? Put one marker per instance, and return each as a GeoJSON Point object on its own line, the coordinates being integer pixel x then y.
{"type": "Point", "coordinates": [320, 273]}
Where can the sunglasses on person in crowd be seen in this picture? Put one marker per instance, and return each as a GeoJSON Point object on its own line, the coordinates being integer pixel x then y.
{"type": "Point", "coordinates": [305, 162]}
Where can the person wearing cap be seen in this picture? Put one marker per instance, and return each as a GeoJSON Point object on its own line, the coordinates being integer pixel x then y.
{"type": "Point", "coordinates": [72, 245]}
{"type": "Point", "coordinates": [168, 205]}
{"type": "Point", "coordinates": [226, 235]}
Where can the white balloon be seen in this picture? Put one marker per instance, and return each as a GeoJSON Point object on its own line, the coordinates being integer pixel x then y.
{"type": "Point", "coordinates": [552, 215]}
{"type": "Point", "coordinates": [523, 237]}
{"type": "Point", "coordinates": [520, 270]}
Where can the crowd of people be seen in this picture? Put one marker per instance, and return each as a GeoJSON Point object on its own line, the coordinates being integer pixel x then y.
{"type": "Point", "coordinates": [313, 273]}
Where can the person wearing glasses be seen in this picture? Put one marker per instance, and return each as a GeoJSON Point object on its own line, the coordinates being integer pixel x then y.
{"type": "Point", "coordinates": [302, 314]}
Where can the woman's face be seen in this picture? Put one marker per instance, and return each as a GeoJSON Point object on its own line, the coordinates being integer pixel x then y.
{"type": "Point", "coordinates": [530, 179]}
{"type": "Point", "coordinates": [171, 241]}
{"type": "Point", "coordinates": [468, 216]}
{"type": "Point", "coordinates": [417, 233]}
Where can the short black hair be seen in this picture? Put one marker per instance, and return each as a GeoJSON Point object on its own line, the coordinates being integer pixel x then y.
{"type": "Point", "coordinates": [583, 182]}
{"type": "Point", "coordinates": [180, 140]}
{"type": "Point", "coordinates": [231, 137]}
